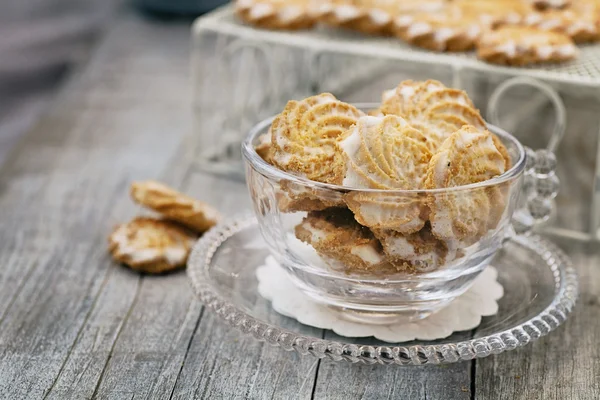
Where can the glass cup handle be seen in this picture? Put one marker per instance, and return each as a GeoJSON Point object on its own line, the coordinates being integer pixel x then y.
{"type": "Point", "coordinates": [540, 183]}
{"type": "Point", "coordinates": [540, 187]}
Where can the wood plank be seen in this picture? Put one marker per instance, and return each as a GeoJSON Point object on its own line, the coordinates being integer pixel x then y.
{"type": "Point", "coordinates": [66, 223]}
{"type": "Point", "coordinates": [349, 381]}
{"type": "Point", "coordinates": [355, 381]}
{"type": "Point", "coordinates": [223, 363]}
{"type": "Point", "coordinates": [563, 365]}
{"type": "Point", "coordinates": [64, 301]}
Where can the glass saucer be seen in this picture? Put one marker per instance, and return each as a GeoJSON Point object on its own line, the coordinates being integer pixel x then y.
{"type": "Point", "coordinates": [540, 289]}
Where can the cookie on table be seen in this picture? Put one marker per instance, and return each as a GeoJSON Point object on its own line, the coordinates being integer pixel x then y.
{"type": "Point", "coordinates": [275, 14]}
{"type": "Point", "coordinates": [513, 45]}
{"type": "Point", "coordinates": [174, 205]}
{"type": "Point", "coordinates": [151, 245]}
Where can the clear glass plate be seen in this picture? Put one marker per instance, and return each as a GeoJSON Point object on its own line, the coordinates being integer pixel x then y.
{"type": "Point", "coordinates": [539, 283]}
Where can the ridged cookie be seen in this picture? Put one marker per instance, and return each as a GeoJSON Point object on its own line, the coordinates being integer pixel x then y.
{"type": "Point", "coordinates": [305, 134]}
{"type": "Point", "coordinates": [525, 45]}
{"type": "Point", "coordinates": [550, 4]}
{"type": "Point", "coordinates": [341, 241]}
{"type": "Point", "coordinates": [450, 29]}
{"type": "Point", "coordinates": [495, 12]}
{"type": "Point", "coordinates": [151, 245]}
{"type": "Point", "coordinates": [580, 22]}
{"type": "Point", "coordinates": [421, 249]}
{"type": "Point", "coordinates": [384, 153]}
{"type": "Point", "coordinates": [293, 197]}
{"type": "Point", "coordinates": [468, 156]}
{"type": "Point", "coordinates": [275, 14]}
{"type": "Point", "coordinates": [368, 16]}
{"type": "Point", "coordinates": [401, 213]}
{"type": "Point", "coordinates": [174, 205]}
{"type": "Point", "coordinates": [432, 108]}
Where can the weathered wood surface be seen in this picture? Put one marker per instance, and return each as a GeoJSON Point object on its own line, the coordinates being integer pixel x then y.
{"type": "Point", "coordinates": [562, 365]}
{"type": "Point", "coordinates": [75, 325]}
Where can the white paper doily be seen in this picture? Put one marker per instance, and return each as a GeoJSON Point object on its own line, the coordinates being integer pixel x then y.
{"type": "Point", "coordinates": [462, 314]}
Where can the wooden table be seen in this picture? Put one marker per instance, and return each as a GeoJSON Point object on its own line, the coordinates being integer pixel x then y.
{"type": "Point", "coordinates": [73, 324]}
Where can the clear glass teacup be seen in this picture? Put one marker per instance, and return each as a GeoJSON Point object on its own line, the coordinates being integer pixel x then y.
{"type": "Point", "coordinates": [382, 256]}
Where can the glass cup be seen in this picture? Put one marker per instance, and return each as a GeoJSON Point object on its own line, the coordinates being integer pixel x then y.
{"type": "Point", "coordinates": [383, 256]}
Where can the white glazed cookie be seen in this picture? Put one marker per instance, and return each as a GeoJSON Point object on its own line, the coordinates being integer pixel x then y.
{"type": "Point", "coordinates": [450, 29]}
{"type": "Point", "coordinates": [421, 249]}
{"type": "Point", "coordinates": [174, 205]}
{"type": "Point", "coordinates": [368, 16]}
{"type": "Point", "coordinates": [432, 108]}
{"type": "Point", "coordinates": [525, 45]}
{"type": "Point", "coordinates": [496, 12]}
{"type": "Point", "coordinates": [341, 13]}
{"type": "Point", "coordinates": [388, 211]}
{"type": "Point", "coordinates": [341, 241]}
{"type": "Point", "coordinates": [383, 153]}
{"type": "Point", "coordinates": [151, 245]}
{"type": "Point", "coordinates": [402, 100]}
{"type": "Point", "coordinates": [305, 134]}
{"type": "Point", "coordinates": [419, 6]}
{"type": "Point", "coordinates": [275, 14]}
{"type": "Point", "coordinates": [468, 156]}
{"type": "Point", "coordinates": [441, 112]}
{"type": "Point", "coordinates": [580, 22]}
{"type": "Point", "coordinates": [547, 4]}
{"type": "Point", "coordinates": [293, 197]}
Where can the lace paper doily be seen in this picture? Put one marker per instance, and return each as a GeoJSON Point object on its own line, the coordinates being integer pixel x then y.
{"type": "Point", "coordinates": [462, 314]}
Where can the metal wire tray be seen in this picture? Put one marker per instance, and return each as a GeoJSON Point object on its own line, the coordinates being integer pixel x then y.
{"type": "Point", "coordinates": [585, 70]}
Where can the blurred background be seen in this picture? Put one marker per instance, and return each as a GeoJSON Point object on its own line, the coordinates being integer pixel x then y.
{"type": "Point", "coordinates": [43, 41]}
{"type": "Point", "coordinates": [229, 76]}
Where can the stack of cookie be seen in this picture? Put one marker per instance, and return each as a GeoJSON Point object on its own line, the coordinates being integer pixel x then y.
{"type": "Point", "coordinates": [511, 32]}
{"type": "Point", "coordinates": [423, 136]}
{"type": "Point", "coordinates": [161, 244]}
